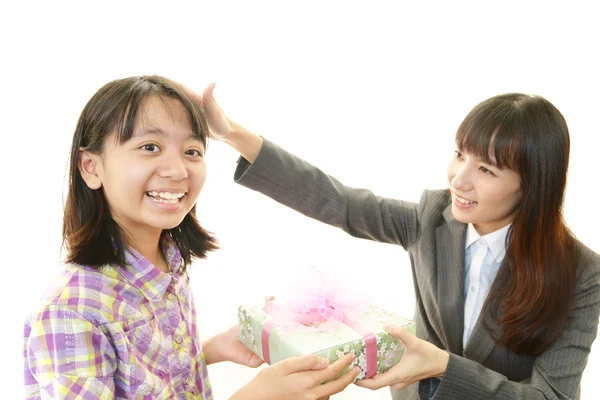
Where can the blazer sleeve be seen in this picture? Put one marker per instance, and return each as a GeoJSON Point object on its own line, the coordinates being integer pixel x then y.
{"type": "Point", "coordinates": [67, 357]}
{"type": "Point", "coordinates": [556, 372]}
{"type": "Point", "coordinates": [301, 186]}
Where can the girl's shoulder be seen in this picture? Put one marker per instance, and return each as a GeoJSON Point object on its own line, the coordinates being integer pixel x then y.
{"type": "Point", "coordinates": [88, 291]}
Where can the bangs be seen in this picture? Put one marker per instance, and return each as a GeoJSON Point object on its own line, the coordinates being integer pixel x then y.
{"type": "Point", "coordinates": [133, 103]}
{"type": "Point", "coordinates": [493, 132]}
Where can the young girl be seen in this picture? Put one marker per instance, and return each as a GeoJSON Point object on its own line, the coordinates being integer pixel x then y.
{"type": "Point", "coordinates": [120, 322]}
{"type": "Point", "coordinates": [507, 299]}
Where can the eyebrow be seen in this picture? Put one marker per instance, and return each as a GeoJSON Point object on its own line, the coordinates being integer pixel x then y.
{"type": "Point", "coordinates": [160, 132]}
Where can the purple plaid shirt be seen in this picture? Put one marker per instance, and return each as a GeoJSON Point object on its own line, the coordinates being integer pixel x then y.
{"type": "Point", "coordinates": [117, 332]}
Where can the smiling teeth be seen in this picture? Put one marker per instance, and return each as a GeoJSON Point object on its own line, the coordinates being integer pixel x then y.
{"type": "Point", "coordinates": [463, 201]}
{"type": "Point", "coordinates": [166, 195]}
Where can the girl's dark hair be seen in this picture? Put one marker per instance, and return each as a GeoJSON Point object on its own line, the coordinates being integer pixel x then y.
{"type": "Point", "coordinates": [534, 289]}
{"type": "Point", "coordinates": [90, 235]}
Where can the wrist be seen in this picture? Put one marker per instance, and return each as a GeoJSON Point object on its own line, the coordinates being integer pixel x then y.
{"type": "Point", "coordinates": [211, 351]}
{"type": "Point", "coordinates": [442, 363]}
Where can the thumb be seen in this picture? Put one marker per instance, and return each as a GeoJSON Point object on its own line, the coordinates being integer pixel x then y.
{"type": "Point", "coordinates": [208, 97]}
{"type": "Point", "coordinates": [407, 338]}
{"type": "Point", "coordinates": [255, 361]}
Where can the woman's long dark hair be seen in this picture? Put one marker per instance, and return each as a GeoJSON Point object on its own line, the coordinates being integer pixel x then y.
{"type": "Point", "coordinates": [90, 235]}
{"type": "Point", "coordinates": [534, 289]}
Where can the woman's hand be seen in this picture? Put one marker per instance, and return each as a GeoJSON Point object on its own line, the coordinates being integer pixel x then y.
{"type": "Point", "coordinates": [226, 346]}
{"type": "Point", "coordinates": [421, 360]}
{"type": "Point", "coordinates": [222, 128]}
{"type": "Point", "coordinates": [299, 378]}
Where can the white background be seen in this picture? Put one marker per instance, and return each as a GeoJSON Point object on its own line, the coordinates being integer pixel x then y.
{"type": "Point", "coordinates": [372, 92]}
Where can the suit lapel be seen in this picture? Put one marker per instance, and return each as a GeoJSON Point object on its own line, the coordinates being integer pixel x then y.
{"type": "Point", "coordinates": [450, 246]}
{"type": "Point", "coordinates": [481, 341]}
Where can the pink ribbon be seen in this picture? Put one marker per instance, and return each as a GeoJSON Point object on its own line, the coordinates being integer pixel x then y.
{"type": "Point", "coordinates": [321, 309]}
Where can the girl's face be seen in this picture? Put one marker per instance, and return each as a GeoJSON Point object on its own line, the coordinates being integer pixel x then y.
{"type": "Point", "coordinates": [153, 180]}
{"type": "Point", "coordinates": [482, 194]}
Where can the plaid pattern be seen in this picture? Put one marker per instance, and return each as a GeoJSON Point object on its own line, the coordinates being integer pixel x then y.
{"type": "Point", "coordinates": [117, 332]}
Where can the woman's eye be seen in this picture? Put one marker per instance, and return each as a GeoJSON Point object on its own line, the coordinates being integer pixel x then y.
{"type": "Point", "coordinates": [193, 152]}
{"type": "Point", "coordinates": [486, 171]}
{"type": "Point", "coordinates": [150, 148]}
{"type": "Point", "coordinates": [458, 155]}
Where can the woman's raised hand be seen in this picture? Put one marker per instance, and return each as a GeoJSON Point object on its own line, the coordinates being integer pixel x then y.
{"type": "Point", "coordinates": [222, 128]}
{"type": "Point", "coordinates": [299, 378]}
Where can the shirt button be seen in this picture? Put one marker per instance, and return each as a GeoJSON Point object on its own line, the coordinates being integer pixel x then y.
{"type": "Point", "coordinates": [178, 339]}
{"type": "Point", "coordinates": [472, 288]}
{"type": "Point", "coordinates": [170, 296]}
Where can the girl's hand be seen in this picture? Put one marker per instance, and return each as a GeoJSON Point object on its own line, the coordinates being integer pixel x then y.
{"type": "Point", "coordinates": [299, 378]}
{"type": "Point", "coordinates": [226, 346]}
{"type": "Point", "coordinates": [421, 360]}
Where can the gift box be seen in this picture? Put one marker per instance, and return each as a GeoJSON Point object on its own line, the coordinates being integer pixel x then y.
{"type": "Point", "coordinates": [326, 327]}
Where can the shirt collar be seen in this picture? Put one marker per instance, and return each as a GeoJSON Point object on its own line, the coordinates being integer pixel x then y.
{"type": "Point", "coordinates": [142, 274]}
{"type": "Point", "coordinates": [496, 241]}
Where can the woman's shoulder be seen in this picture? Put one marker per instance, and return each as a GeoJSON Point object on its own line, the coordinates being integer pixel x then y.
{"type": "Point", "coordinates": [588, 262]}
{"type": "Point", "coordinates": [433, 205]}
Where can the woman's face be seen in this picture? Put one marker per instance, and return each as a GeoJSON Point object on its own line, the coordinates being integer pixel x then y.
{"type": "Point", "coordinates": [482, 193]}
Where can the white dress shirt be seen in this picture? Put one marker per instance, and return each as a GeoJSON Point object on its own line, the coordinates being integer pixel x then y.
{"type": "Point", "coordinates": [483, 256]}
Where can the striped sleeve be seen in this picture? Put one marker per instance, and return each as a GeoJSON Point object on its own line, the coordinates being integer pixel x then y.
{"type": "Point", "coordinates": [67, 357]}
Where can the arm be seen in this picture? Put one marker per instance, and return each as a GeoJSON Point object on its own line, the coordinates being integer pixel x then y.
{"type": "Point", "coordinates": [67, 357]}
{"type": "Point", "coordinates": [303, 187]}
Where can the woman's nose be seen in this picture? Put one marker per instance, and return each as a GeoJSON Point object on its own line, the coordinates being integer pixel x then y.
{"type": "Point", "coordinates": [462, 179]}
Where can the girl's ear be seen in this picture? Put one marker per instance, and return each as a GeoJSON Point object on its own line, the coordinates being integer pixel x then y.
{"type": "Point", "coordinates": [88, 165]}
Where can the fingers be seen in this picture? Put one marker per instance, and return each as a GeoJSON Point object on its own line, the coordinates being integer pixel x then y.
{"type": "Point", "coordinates": [254, 361]}
{"type": "Point", "coordinates": [208, 92]}
{"type": "Point", "coordinates": [378, 381]}
{"type": "Point", "coordinates": [301, 363]}
{"type": "Point", "coordinates": [334, 369]}
{"type": "Point", "coordinates": [336, 386]}
{"type": "Point", "coordinates": [268, 299]}
{"type": "Point", "coordinates": [401, 334]}
{"type": "Point", "coordinates": [209, 104]}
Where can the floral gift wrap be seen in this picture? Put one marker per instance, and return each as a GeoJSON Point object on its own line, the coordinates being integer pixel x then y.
{"type": "Point", "coordinates": [326, 328]}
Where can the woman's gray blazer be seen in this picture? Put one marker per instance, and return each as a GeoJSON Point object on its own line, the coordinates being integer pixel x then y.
{"type": "Point", "coordinates": [435, 243]}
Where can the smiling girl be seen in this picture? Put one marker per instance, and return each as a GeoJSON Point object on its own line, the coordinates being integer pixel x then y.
{"type": "Point", "coordinates": [507, 299]}
{"type": "Point", "coordinates": [120, 322]}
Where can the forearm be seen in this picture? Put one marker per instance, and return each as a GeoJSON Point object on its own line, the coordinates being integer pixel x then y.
{"type": "Point", "coordinates": [209, 348]}
{"type": "Point", "coordinates": [467, 379]}
{"type": "Point", "coordinates": [245, 142]}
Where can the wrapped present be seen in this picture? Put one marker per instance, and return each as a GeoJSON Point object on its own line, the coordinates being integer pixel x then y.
{"type": "Point", "coordinates": [326, 324]}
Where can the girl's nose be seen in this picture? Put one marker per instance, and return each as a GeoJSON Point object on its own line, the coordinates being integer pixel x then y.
{"type": "Point", "coordinates": [173, 168]}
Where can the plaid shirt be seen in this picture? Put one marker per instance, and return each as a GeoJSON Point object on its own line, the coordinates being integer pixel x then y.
{"type": "Point", "coordinates": [117, 332]}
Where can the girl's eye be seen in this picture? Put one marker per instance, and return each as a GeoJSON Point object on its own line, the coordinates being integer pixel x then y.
{"type": "Point", "coordinates": [193, 152]}
{"type": "Point", "coordinates": [150, 148]}
{"type": "Point", "coordinates": [458, 155]}
{"type": "Point", "coordinates": [486, 171]}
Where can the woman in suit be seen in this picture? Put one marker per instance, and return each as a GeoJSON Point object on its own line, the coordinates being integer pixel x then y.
{"type": "Point", "coordinates": [508, 300]}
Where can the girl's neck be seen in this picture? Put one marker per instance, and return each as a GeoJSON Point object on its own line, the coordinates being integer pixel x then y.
{"type": "Point", "coordinates": [149, 246]}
